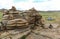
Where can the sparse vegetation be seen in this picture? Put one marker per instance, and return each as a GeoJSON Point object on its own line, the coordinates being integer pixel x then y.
{"type": "Point", "coordinates": [0, 16]}
{"type": "Point", "coordinates": [54, 15]}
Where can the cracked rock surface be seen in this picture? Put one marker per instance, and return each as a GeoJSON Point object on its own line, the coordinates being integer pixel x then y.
{"type": "Point", "coordinates": [38, 33]}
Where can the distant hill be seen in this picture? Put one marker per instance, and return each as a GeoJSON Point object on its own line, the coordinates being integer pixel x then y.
{"type": "Point", "coordinates": [2, 10]}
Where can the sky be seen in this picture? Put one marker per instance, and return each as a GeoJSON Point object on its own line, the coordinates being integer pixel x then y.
{"type": "Point", "coordinates": [43, 5]}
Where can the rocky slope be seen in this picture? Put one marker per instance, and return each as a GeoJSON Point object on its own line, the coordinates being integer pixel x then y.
{"type": "Point", "coordinates": [38, 33]}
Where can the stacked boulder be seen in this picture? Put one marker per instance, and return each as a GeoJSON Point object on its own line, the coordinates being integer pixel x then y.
{"type": "Point", "coordinates": [12, 19]}
{"type": "Point", "coordinates": [33, 17]}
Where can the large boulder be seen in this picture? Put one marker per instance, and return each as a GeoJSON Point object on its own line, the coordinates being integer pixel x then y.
{"type": "Point", "coordinates": [17, 22]}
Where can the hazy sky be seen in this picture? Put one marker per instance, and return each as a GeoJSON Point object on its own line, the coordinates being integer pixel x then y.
{"type": "Point", "coordinates": [27, 4]}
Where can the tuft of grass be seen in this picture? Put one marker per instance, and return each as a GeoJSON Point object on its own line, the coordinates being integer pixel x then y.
{"type": "Point", "coordinates": [23, 37]}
